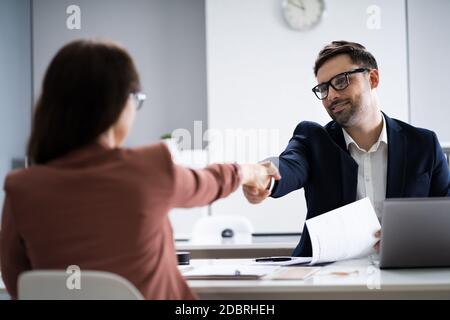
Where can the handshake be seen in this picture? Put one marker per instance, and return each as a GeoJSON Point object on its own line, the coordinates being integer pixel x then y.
{"type": "Point", "coordinates": [256, 179]}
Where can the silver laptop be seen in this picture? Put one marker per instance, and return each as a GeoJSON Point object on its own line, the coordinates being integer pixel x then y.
{"type": "Point", "coordinates": [415, 232]}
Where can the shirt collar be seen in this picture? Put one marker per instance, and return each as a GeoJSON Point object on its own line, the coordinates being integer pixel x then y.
{"type": "Point", "coordinates": [382, 138]}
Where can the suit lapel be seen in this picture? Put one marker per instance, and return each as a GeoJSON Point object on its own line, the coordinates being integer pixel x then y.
{"type": "Point", "coordinates": [396, 167]}
{"type": "Point", "coordinates": [349, 167]}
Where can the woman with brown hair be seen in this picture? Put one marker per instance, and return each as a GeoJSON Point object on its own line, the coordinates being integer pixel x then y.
{"type": "Point", "coordinates": [86, 200]}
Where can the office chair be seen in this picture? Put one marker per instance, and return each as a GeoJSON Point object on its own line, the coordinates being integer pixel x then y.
{"type": "Point", "coordinates": [223, 229]}
{"type": "Point", "coordinates": [94, 285]}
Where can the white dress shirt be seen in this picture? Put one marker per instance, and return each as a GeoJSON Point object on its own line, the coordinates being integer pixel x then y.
{"type": "Point", "coordinates": [372, 169]}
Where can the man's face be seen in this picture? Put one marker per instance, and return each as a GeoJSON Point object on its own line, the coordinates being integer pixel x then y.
{"type": "Point", "coordinates": [350, 105]}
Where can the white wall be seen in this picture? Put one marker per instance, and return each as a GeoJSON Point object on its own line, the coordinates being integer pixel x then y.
{"type": "Point", "coordinates": [15, 82]}
{"type": "Point", "coordinates": [166, 40]}
{"type": "Point", "coordinates": [260, 76]}
{"type": "Point", "coordinates": [429, 47]}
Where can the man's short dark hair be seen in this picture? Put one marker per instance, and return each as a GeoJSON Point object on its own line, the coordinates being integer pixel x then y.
{"type": "Point", "coordinates": [357, 53]}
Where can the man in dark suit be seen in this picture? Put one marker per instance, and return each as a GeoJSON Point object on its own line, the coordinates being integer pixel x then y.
{"type": "Point", "coordinates": [362, 152]}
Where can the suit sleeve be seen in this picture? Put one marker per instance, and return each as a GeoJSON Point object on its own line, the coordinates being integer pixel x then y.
{"type": "Point", "coordinates": [13, 258]}
{"type": "Point", "coordinates": [193, 188]}
{"type": "Point", "coordinates": [440, 179]}
{"type": "Point", "coordinates": [293, 164]}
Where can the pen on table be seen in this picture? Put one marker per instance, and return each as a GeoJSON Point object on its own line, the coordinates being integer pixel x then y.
{"type": "Point", "coordinates": [273, 259]}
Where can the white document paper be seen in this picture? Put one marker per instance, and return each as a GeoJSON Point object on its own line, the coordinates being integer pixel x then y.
{"type": "Point", "coordinates": [223, 272]}
{"type": "Point", "coordinates": [344, 233]}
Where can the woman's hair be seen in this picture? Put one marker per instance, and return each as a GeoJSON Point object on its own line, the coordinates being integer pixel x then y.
{"type": "Point", "coordinates": [84, 92]}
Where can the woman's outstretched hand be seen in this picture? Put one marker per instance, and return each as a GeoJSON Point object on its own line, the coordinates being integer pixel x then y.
{"type": "Point", "coordinates": [256, 179]}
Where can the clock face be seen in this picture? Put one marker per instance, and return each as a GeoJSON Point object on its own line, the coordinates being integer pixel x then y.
{"type": "Point", "coordinates": [303, 14]}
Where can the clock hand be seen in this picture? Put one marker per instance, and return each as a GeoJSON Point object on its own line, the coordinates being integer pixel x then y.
{"type": "Point", "coordinates": [295, 4]}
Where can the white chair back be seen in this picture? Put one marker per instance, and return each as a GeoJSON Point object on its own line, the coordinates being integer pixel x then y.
{"type": "Point", "coordinates": [91, 285]}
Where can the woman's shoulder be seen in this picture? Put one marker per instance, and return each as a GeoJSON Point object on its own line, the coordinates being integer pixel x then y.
{"type": "Point", "coordinates": [18, 177]}
{"type": "Point", "coordinates": [157, 152]}
{"type": "Point", "coordinates": [154, 156]}
{"type": "Point", "coordinates": [150, 159]}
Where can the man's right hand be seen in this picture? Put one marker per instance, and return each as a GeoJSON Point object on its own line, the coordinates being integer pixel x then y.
{"type": "Point", "coordinates": [256, 179]}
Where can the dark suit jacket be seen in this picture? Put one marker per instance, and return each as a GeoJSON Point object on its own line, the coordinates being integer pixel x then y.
{"type": "Point", "coordinates": [317, 159]}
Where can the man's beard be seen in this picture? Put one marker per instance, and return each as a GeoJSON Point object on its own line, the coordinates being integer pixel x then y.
{"type": "Point", "coordinates": [346, 117]}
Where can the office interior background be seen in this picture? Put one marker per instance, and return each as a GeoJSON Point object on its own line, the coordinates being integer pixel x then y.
{"type": "Point", "coordinates": [231, 65]}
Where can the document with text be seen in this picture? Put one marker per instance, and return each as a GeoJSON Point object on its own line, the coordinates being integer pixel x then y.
{"type": "Point", "coordinates": [344, 233]}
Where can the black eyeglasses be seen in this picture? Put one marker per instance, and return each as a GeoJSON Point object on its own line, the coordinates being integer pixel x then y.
{"type": "Point", "coordinates": [338, 82]}
{"type": "Point", "coordinates": [139, 99]}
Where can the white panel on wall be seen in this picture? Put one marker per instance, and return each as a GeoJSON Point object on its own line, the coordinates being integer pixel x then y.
{"type": "Point", "coordinates": [429, 46]}
{"type": "Point", "coordinates": [260, 78]}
